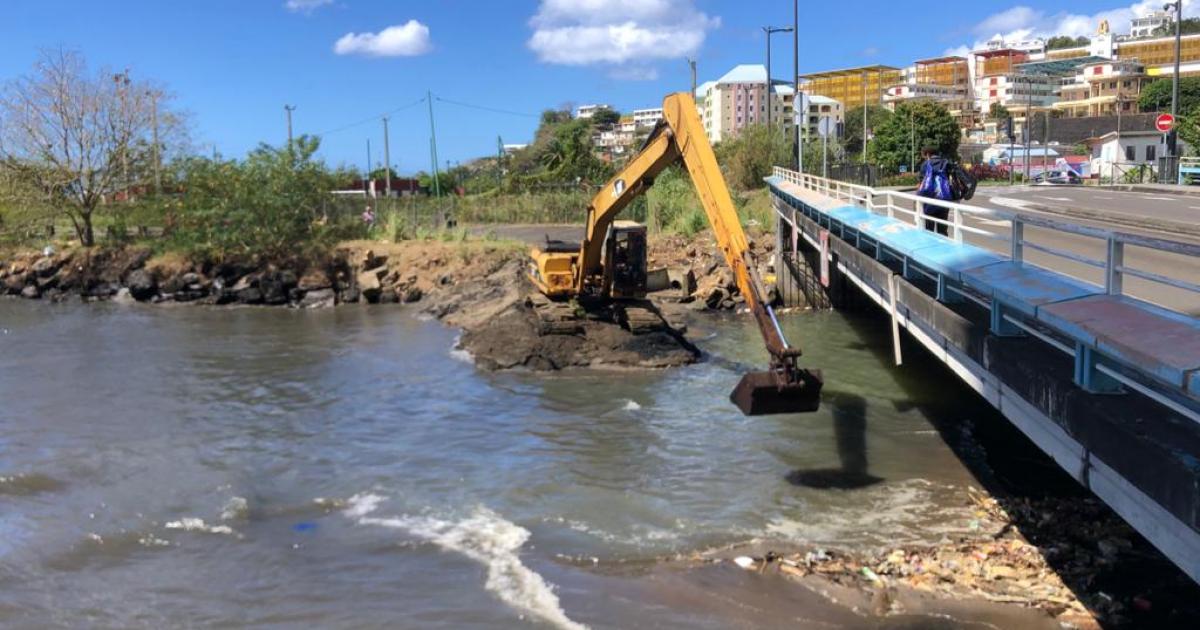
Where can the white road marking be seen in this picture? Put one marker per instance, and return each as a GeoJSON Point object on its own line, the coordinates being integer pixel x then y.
{"type": "Point", "coordinates": [1053, 198]}
{"type": "Point", "coordinates": [1102, 197]}
{"type": "Point", "coordinates": [1161, 198]}
{"type": "Point", "coordinates": [1193, 207]}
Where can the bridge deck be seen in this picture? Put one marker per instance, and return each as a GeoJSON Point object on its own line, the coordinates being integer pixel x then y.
{"type": "Point", "coordinates": [1115, 329]}
{"type": "Point", "coordinates": [1043, 348]}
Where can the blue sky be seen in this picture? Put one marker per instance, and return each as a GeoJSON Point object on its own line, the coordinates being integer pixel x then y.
{"type": "Point", "coordinates": [233, 64]}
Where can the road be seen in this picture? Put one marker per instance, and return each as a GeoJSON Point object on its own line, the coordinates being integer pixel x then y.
{"type": "Point", "coordinates": [1122, 204]}
{"type": "Point", "coordinates": [1150, 207]}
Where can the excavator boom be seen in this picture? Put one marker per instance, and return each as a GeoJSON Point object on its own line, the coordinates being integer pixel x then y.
{"type": "Point", "coordinates": [680, 137]}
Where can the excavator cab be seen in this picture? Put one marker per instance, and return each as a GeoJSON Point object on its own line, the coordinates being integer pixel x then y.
{"type": "Point", "coordinates": [625, 261]}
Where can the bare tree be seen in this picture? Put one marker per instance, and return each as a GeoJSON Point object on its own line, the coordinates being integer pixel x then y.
{"type": "Point", "coordinates": [81, 138]}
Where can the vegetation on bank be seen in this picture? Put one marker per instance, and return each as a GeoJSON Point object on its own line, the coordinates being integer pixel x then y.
{"type": "Point", "coordinates": [139, 182]}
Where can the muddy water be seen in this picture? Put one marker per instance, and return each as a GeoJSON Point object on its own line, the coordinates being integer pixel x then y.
{"type": "Point", "coordinates": [343, 468]}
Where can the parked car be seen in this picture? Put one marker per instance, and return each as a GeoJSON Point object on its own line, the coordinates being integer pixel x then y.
{"type": "Point", "coordinates": [1058, 177]}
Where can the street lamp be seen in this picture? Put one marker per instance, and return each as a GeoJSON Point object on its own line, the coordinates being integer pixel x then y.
{"type": "Point", "coordinates": [1171, 138]}
{"type": "Point", "coordinates": [771, 30]}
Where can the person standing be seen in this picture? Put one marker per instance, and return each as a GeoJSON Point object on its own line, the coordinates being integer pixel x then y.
{"type": "Point", "coordinates": [944, 180]}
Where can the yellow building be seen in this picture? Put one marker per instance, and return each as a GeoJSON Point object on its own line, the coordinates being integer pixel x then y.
{"type": "Point", "coordinates": [853, 86]}
{"type": "Point", "coordinates": [950, 71]}
{"type": "Point", "coordinates": [1158, 54]}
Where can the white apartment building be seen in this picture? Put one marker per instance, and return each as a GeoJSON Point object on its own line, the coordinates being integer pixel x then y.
{"type": "Point", "coordinates": [1015, 92]}
{"type": "Point", "coordinates": [646, 118]}
{"type": "Point", "coordinates": [1145, 26]}
{"type": "Point", "coordinates": [740, 98]}
{"type": "Point", "coordinates": [822, 107]}
{"type": "Point", "coordinates": [587, 111]}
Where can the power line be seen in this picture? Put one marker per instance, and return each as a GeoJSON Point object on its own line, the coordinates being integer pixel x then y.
{"type": "Point", "coordinates": [372, 118]}
{"type": "Point", "coordinates": [487, 109]}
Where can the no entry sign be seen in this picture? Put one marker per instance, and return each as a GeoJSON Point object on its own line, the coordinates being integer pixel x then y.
{"type": "Point", "coordinates": [1164, 122]}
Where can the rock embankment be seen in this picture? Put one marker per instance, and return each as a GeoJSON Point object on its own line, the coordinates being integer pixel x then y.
{"type": "Point", "coordinates": [480, 287]}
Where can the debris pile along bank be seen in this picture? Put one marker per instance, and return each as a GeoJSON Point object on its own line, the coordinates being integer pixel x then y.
{"type": "Point", "coordinates": [1071, 558]}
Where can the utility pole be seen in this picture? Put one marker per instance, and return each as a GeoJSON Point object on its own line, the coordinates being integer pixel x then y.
{"type": "Point", "coordinates": [770, 30]}
{"type": "Point", "coordinates": [864, 106]}
{"type": "Point", "coordinates": [289, 109]}
{"type": "Point", "coordinates": [387, 160]}
{"type": "Point", "coordinates": [157, 156]}
{"type": "Point", "coordinates": [797, 115]}
{"type": "Point", "coordinates": [912, 136]}
{"type": "Point", "coordinates": [1028, 123]}
{"type": "Point", "coordinates": [1171, 135]}
{"type": "Point", "coordinates": [692, 65]}
{"type": "Point", "coordinates": [437, 188]}
{"type": "Point", "coordinates": [499, 163]}
{"type": "Point", "coordinates": [367, 181]}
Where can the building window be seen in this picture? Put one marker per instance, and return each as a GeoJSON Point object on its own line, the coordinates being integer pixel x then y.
{"type": "Point", "coordinates": [1130, 155]}
{"type": "Point", "coordinates": [1150, 153]}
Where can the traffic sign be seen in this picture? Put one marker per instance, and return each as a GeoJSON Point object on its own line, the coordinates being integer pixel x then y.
{"type": "Point", "coordinates": [1164, 122]}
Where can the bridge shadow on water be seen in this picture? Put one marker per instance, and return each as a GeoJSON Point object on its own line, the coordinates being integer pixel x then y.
{"type": "Point", "coordinates": [1137, 587]}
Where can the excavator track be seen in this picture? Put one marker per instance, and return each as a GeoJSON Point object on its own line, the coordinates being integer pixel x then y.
{"type": "Point", "coordinates": [640, 317]}
{"type": "Point", "coordinates": [554, 318]}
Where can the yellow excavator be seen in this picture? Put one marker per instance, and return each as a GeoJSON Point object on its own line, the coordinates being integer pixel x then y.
{"type": "Point", "coordinates": [609, 265]}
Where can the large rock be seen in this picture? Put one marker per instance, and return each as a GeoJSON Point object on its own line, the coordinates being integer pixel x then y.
{"type": "Point", "coordinates": [46, 266]}
{"type": "Point", "coordinates": [411, 294]}
{"type": "Point", "coordinates": [250, 295]}
{"type": "Point", "coordinates": [14, 283]}
{"type": "Point", "coordinates": [314, 280]}
{"type": "Point", "coordinates": [30, 292]}
{"type": "Point", "coordinates": [369, 283]}
{"type": "Point", "coordinates": [320, 298]}
{"type": "Point", "coordinates": [141, 284]}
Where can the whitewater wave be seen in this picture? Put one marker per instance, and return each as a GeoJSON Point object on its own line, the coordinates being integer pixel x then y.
{"type": "Point", "coordinates": [631, 405]}
{"type": "Point", "coordinates": [191, 524]}
{"type": "Point", "coordinates": [488, 539]}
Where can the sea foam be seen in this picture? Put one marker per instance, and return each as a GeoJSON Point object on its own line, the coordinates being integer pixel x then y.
{"type": "Point", "coordinates": [488, 539]}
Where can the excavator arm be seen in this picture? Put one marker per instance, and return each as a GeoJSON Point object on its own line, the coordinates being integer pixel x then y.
{"type": "Point", "coordinates": [680, 136]}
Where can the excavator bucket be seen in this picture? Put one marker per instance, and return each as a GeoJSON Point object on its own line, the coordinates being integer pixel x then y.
{"type": "Point", "coordinates": [762, 393]}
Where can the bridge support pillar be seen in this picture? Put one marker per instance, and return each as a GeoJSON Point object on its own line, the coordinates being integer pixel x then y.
{"type": "Point", "coordinates": [1002, 327]}
{"type": "Point", "coordinates": [1090, 379]}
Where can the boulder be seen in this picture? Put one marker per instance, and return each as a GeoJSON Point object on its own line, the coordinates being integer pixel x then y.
{"type": "Point", "coordinates": [411, 294]}
{"type": "Point", "coordinates": [369, 283]}
{"type": "Point", "coordinates": [348, 295]}
{"type": "Point", "coordinates": [388, 296]}
{"type": "Point", "coordinates": [173, 284]}
{"type": "Point", "coordinates": [46, 266]}
{"type": "Point", "coordinates": [245, 282]}
{"type": "Point", "coordinates": [30, 292]}
{"type": "Point", "coordinates": [14, 283]}
{"type": "Point", "coordinates": [314, 280]}
{"type": "Point", "coordinates": [250, 295]}
{"type": "Point", "coordinates": [275, 286]}
{"type": "Point", "coordinates": [141, 284]}
{"type": "Point", "coordinates": [320, 298]}
{"type": "Point", "coordinates": [123, 296]}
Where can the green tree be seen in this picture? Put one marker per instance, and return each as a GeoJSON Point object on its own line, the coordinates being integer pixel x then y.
{"type": "Point", "coordinates": [916, 124]}
{"type": "Point", "coordinates": [852, 134]}
{"type": "Point", "coordinates": [270, 206]}
{"type": "Point", "coordinates": [1188, 26]}
{"type": "Point", "coordinates": [998, 112]}
{"type": "Point", "coordinates": [381, 173]}
{"type": "Point", "coordinates": [1189, 130]}
{"type": "Point", "coordinates": [1156, 97]}
{"type": "Point", "coordinates": [1066, 41]}
{"type": "Point", "coordinates": [751, 155]}
{"type": "Point", "coordinates": [605, 117]}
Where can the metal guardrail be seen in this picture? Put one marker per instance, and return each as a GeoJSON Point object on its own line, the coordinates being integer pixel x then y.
{"type": "Point", "coordinates": [1114, 267]}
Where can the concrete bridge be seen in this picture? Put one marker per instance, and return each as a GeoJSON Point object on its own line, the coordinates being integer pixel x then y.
{"type": "Point", "coordinates": [1086, 339]}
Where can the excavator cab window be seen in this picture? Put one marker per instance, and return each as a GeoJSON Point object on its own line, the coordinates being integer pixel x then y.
{"type": "Point", "coordinates": [627, 261]}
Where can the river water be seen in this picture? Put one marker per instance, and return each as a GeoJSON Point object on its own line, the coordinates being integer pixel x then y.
{"type": "Point", "coordinates": [346, 468]}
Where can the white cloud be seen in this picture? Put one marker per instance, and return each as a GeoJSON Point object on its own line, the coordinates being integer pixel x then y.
{"type": "Point", "coordinates": [1023, 22]}
{"type": "Point", "coordinates": [634, 73]}
{"type": "Point", "coordinates": [406, 40]}
{"type": "Point", "coordinates": [585, 32]}
{"type": "Point", "coordinates": [305, 6]}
